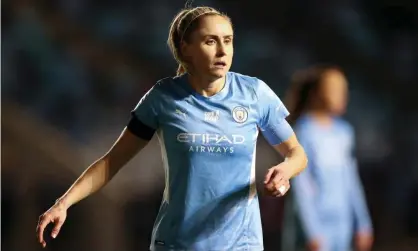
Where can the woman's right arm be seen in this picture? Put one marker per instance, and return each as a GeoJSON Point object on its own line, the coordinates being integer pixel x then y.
{"type": "Point", "coordinates": [103, 169]}
{"type": "Point", "coordinates": [95, 177]}
{"type": "Point", "coordinates": [139, 131]}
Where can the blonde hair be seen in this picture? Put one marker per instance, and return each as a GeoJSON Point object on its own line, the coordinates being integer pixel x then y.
{"type": "Point", "coordinates": [183, 24]}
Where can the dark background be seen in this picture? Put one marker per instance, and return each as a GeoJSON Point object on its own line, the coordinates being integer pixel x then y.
{"type": "Point", "coordinates": [72, 70]}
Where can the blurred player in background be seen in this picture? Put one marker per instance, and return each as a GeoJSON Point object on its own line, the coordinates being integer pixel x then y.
{"type": "Point", "coordinates": [207, 120]}
{"type": "Point", "coordinates": [328, 195]}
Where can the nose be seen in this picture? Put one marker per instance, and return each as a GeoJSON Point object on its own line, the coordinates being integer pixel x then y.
{"type": "Point", "coordinates": [221, 50]}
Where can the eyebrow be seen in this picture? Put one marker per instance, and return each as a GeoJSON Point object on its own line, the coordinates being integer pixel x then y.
{"type": "Point", "coordinates": [211, 35]}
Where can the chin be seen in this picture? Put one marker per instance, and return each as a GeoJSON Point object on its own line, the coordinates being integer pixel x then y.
{"type": "Point", "coordinates": [219, 73]}
{"type": "Point", "coordinates": [216, 75]}
{"type": "Point", "coordinates": [338, 112]}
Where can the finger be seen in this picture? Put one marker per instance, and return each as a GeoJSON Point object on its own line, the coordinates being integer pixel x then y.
{"type": "Point", "coordinates": [268, 175]}
{"type": "Point", "coordinates": [278, 180]}
{"type": "Point", "coordinates": [281, 190]}
{"type": "Point", "coordinates": [42, 225]}
{"type": "Point", "coordinates": [57, 228]}
{"type": "Point", "coordinates": [277, 194]}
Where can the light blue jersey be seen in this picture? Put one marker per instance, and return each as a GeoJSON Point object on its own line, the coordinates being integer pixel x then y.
{"type": "Point", "coordinates": [329, 196]}
{"type": "Point", "coordinates": [208, 147]}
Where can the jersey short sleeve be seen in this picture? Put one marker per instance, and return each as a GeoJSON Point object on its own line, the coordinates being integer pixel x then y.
{"type": "Point", "coordinates": [272, 115]}
{"type": "Point", "coordinates": [144, 121]}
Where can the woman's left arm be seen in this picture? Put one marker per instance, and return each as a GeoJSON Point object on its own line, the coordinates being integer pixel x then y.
{"type": "Point", "coordinates": [279, 134]}
{"type": "Point", "coordinates": [295, 158]}
{"type": "Point", "coordinates": [295, 161]}
{"type": "Point", "coordinates": [363, 225]}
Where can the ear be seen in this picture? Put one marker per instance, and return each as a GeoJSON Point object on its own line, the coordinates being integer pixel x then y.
{"type": "Point", "coordinates": [185, 49]}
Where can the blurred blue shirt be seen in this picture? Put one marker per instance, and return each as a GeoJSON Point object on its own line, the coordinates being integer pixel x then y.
{"type": "Point", "coordinates": [208, 147]}
{"type": "Point", "coordinates": [329, 194]}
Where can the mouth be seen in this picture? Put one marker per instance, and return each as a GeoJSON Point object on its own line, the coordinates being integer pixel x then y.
{"type": "Point", "coordinates": [220, 64]}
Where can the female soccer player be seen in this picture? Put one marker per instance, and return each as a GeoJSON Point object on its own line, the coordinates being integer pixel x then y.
{"type": "Point", "coordinates": [329, 198]}
{"type": "Point", "coordinates": [207, 120]}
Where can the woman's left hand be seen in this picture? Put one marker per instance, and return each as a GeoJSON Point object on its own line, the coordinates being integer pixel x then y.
{"type": "Point", "coordinates": [276, 182]}
{"type": "Point", "coordinates": [364, 241]}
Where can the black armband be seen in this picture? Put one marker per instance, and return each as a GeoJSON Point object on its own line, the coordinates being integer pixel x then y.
{"type": "Point", "coordinates": [140, 129]}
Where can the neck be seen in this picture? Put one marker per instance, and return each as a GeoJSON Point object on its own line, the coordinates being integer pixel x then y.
{"type": "Point", "coordinates": [320, 116]}
{"type": "Point", "coordinates": [206, 87]}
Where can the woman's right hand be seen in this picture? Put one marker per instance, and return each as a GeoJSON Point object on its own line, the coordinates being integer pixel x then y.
{"type": "Point", "coordinates": [57, 215]}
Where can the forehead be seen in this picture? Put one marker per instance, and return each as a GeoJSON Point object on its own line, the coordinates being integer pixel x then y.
{"type": "Point", "coordinates": [214, 25]}
{"type": "Point", "coordinates": [334, 80]}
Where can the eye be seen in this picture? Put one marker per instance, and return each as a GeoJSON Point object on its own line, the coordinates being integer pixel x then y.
{"type": "Point", "coordinates": [211, 42]}
{"type": "Point", "coordinates": [228, 40]}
